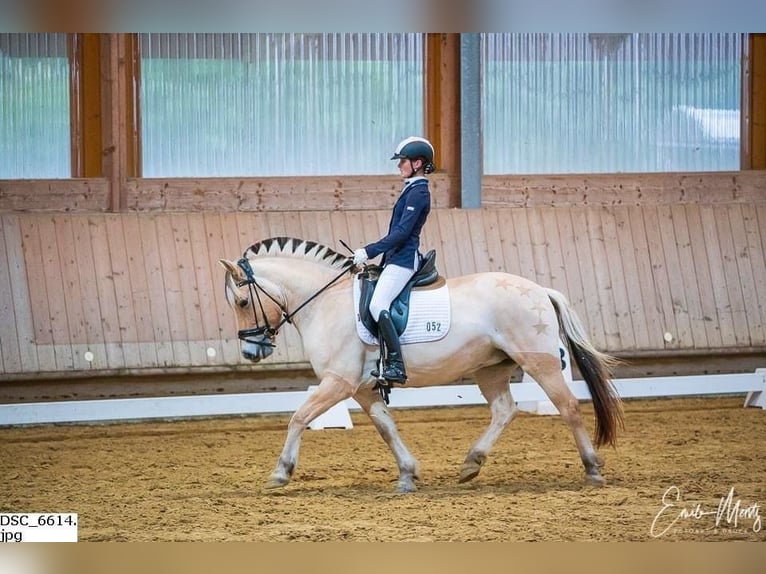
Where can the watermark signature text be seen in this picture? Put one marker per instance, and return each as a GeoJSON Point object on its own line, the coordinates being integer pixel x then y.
{"type": "Point", "coordinates": [731, 514]}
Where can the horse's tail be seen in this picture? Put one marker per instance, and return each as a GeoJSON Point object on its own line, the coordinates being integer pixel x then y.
{"type": "Point", "coordinates": [596, 369]}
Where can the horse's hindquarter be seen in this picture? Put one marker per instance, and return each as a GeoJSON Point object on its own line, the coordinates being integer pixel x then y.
{"type": "Point", "coordinates": [516, 312]}
{"type": "Point", "coordinates": [494, 315]}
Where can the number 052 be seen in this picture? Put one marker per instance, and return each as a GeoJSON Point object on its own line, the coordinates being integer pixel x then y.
{"type": "Point", "coordinates": [432, 326]}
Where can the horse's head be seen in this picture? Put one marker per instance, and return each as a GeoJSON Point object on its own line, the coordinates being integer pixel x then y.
{"type": "Point", "coordinates": [258, 312]}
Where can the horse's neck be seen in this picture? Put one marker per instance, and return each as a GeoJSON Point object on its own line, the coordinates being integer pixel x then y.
{"type": "Point", "coordinates": [297, 280]}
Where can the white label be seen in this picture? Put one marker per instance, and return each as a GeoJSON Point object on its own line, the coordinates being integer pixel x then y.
{"type": "Point", "coordinates": [38, 527]}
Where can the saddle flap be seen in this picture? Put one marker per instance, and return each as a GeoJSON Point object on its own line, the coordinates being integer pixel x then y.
{"type": "Point", "coordinates": [426, 274]}
{"type": "Point", "coordinates": [427, 315]}
{"type": "Point", "coordinates": [367, 286]}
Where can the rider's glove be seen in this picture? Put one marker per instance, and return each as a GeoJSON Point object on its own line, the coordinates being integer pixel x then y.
{"type": "Point", "coordinates": [360, 256]}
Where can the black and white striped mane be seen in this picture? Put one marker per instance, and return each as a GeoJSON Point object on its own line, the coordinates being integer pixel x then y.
{"type": "Point", "coordinates": [298, 248]}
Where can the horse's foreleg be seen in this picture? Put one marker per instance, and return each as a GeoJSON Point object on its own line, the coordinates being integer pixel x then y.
{"type": "Point", "coordinates": [372, 403]}
{"type": "Point", "coordinates": [493, 383]}
{"type": "Point", "coordinates": [330, 391]}
{"type": "Point", "coordinates": [546, 370]}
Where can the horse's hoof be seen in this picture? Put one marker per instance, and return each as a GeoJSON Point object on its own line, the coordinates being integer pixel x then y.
{"type": "Point", "coordinates": [595, 480]}
{"type": "Point", "coordinates": [275, 482]}
{"type": "Point", "coordinates": [406, 487]}
{"type": "Point", "coordinates": [469, 472]}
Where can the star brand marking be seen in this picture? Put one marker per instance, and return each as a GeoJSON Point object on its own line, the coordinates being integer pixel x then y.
{"type": "Point", "coordinates": [524, 291]}
{"type": "Point", "coordinates": [504, 283]}
{"type": "Point", "coordinates": [541, 327]}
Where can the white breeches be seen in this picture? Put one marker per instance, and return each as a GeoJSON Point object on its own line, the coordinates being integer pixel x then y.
{"type": "Point", "coordinates": [392, 280]}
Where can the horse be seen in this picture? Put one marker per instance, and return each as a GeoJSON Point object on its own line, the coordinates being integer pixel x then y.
{"type": "Point", "coordinates": [499, 322]}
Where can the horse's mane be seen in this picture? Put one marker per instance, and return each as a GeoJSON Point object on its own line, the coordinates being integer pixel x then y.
{"type": "Point", "coordinates": [299, 248]}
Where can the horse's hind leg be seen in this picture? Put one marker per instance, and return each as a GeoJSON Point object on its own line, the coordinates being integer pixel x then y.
{"type": "Point", "coordinates": [546, 370]}
{"type": "Point", "coordinates": [372, 404]}
{"type": "Point", "coordinates": [493, 383]}
{"type": "Point", "coordinates": [330, 391]}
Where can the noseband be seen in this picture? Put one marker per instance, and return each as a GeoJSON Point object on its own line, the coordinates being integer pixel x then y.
{"type": "Point", "coordinates": [266, 333]}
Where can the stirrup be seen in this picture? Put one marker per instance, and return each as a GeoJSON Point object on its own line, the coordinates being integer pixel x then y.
{"type": "Point", "coordinates": [390, 374]}
{"type": "Point", "coordinates": [394, 374]}
{"type": "Point", "coordinates": [384, 388]}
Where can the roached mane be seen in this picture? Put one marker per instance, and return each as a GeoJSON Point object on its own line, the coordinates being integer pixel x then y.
{"type": "Point", "coordinates": [300, 248]}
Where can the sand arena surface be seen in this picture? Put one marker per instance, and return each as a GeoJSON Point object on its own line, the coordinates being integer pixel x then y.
{"type": "Point", "coordinates": [201, 480]}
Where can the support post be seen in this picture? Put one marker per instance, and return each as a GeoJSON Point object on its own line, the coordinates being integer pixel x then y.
{"type": "Point", "coordinates": [442, 111]}
{"type": "Point", "coordinates": [753, 128]}
{"type": "Point", "coordinates": [470, 120]}
{"type": "Point", "coordinates": [121, 124]}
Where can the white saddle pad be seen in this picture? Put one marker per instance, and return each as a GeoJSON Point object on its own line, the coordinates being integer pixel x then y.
{"type": "Point", "coordinates": [429, 318]}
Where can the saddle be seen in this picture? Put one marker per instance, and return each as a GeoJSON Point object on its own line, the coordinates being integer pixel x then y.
{"type": "Point", "coordinates": [426, 275]}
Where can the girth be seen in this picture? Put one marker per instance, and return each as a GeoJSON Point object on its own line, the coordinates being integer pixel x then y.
{"type": "Point", "coordinates": [426, 275]}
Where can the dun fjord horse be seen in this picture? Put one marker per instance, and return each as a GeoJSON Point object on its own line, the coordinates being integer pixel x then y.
{"type": "Point", "coordinates": [498, 322]}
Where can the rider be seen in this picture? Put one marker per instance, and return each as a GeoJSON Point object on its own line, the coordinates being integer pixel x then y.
{"type": "Point", "coordinates": [400, 246]}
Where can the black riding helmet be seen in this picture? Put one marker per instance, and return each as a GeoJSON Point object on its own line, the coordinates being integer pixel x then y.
{"type": "Point", "coordinates": [413, 148]}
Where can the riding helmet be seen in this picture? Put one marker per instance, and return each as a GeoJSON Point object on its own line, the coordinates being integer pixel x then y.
{"type": "Point", "coordinates": [413, 148]}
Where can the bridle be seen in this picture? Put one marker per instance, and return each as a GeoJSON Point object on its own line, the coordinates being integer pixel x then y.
{"type": "Point", "coordinates": [266, 333]}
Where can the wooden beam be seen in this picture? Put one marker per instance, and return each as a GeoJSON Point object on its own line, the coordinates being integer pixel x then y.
{"type": "Point", "coordinates": [443, 106]}
{"type": "Point", "coordinates": [54, 195]}
{"type": "Point", "coordinates": [754, 94]}
{"type": "Point", "coordinates": [270, 194]}
{"type": "Point", "coordinates": [132, 111]}
{"type": "Point", "coordinates": [85, 104]}
{"type": "Point", "coordinates": [745, 153]}
{"type": "Point", "coordinates": [629, 189]}
{"type": "Point", "coordinates": [119, 111]}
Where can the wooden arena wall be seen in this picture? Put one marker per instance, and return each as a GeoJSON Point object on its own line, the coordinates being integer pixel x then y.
{"type": "Point", "coordinates": [638, 256]}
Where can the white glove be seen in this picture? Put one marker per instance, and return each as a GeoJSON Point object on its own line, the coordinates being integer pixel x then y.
{"type": "Point", "coordinates": [360, 256]}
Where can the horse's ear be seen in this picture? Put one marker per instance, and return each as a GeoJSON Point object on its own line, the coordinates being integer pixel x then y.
{"type": "Point", "coordinates": [231, 267]}
{"type": "Point", "coordinates": [234, 274]}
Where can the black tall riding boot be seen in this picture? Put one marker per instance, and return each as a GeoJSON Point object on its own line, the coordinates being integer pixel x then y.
{"type": "Point", "coordinates": [393, 366]}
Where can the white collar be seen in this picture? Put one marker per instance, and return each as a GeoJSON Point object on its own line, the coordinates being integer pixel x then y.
{"type": "Point", "coordinates": [410, 180]}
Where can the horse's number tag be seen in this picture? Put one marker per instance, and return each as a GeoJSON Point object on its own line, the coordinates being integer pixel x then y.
{"type": "Point", "coordinates": [433, 326]}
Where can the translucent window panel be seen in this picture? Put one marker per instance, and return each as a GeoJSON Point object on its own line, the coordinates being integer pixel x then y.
{"type": "Point", "coordinates": [278, 104]}
{"type": "Point", "coordinates": [588, 103]}
{"type": "Point", "coordinates": [34, 107]}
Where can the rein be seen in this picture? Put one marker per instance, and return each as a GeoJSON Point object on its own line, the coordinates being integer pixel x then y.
{"type": "Point", "coordinates": [255, 289]}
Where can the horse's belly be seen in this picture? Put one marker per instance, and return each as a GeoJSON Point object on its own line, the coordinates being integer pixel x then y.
{"type": "Point", "coordinates": [443, 362]}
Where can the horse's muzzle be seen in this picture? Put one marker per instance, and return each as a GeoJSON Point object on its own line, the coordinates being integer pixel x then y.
{"type": "Point", "coordinates": [256, 350]}
{"type": "Point", "coordinates": [257, 343]}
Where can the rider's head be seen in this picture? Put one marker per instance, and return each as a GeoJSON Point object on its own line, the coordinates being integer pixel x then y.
{"type": "Point", "coordinates": [419, 152]}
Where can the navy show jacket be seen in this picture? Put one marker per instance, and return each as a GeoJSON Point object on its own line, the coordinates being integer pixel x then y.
{"type": "Point", "coordinates": [409, 215]}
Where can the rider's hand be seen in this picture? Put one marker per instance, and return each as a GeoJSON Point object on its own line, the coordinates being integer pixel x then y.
{"type": "Point", "coordinates": [360, 256]}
